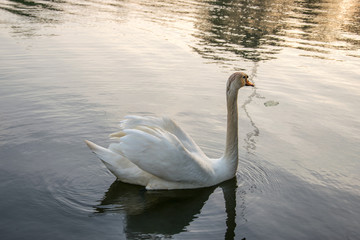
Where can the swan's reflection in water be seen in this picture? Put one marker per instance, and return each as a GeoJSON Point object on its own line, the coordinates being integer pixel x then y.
{"type": "Point", "coordinates": [164, 212]}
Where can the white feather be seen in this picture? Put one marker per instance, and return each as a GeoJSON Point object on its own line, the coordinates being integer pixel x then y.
{"type": "Point", "coordinates": [156, 153]}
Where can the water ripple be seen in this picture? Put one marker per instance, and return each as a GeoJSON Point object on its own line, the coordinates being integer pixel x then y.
{"type": "Point", "coordinates": [74, 192]}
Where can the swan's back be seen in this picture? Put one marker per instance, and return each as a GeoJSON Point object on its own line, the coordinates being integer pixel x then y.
{"type": "Point", "coordinates": [158, 149]}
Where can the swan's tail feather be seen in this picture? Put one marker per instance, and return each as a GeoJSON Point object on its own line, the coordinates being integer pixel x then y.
{"type": "Point", "coordinates": [122, 168]}
{"type": "Point", "coordinates": [104, 154]}
{"type": "Point", "coordinates": [110, 159]}
{"type": "Point", "coordinates": [92, 146]}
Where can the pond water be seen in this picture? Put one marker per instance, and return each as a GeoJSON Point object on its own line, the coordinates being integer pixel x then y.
{"type": "Point", "coordinates": [71, 69]}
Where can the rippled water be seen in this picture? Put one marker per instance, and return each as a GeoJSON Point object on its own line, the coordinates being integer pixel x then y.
{"type": "Point", "coordinates": [71, 69]}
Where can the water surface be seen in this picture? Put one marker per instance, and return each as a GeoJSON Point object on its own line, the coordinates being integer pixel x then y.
{"type": "Point", "coordinates": [71, 69]}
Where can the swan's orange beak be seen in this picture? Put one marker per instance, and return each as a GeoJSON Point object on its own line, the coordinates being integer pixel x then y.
{"type": "Point", "coordinates": [248, 83]}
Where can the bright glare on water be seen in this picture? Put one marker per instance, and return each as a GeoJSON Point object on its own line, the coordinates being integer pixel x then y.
{"type": "Point", "coordinates": [71, 69]}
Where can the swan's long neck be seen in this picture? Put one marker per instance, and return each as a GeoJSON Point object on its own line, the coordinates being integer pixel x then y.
{"type": "Point", "coordinates": [231, 150]}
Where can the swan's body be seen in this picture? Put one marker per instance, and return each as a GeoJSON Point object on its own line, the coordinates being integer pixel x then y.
{"type": "Point", "coordinates": [158, 154]}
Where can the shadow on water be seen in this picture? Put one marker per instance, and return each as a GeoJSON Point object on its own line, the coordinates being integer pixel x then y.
{"type": "Point", "coordinates": [258, 30]}
{"type": "Point", "coordinates": [32, 9]}
{"type": "Point", "coordinates": [229, 29]}
{"type": "Point", "coordinates": [164, 213]}
{"type": "Point", "coordinates": [36, 14]}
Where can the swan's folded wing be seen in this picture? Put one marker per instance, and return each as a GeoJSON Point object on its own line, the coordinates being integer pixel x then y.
{"type": "Point", "coordinates": [162, 154]}
{"type": "Point", "coordinates": [166, 124]}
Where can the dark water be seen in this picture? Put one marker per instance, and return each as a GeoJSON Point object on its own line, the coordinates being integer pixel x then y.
{"type": "Point", "coordinates": [71, 69]}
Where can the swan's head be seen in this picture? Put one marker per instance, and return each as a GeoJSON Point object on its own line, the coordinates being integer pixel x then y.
{"type": "Point", "coordinates": [238, 80]}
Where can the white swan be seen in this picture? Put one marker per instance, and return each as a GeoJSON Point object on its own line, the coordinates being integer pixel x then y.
{"type": "Point", "coordinates": [156, 153]}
